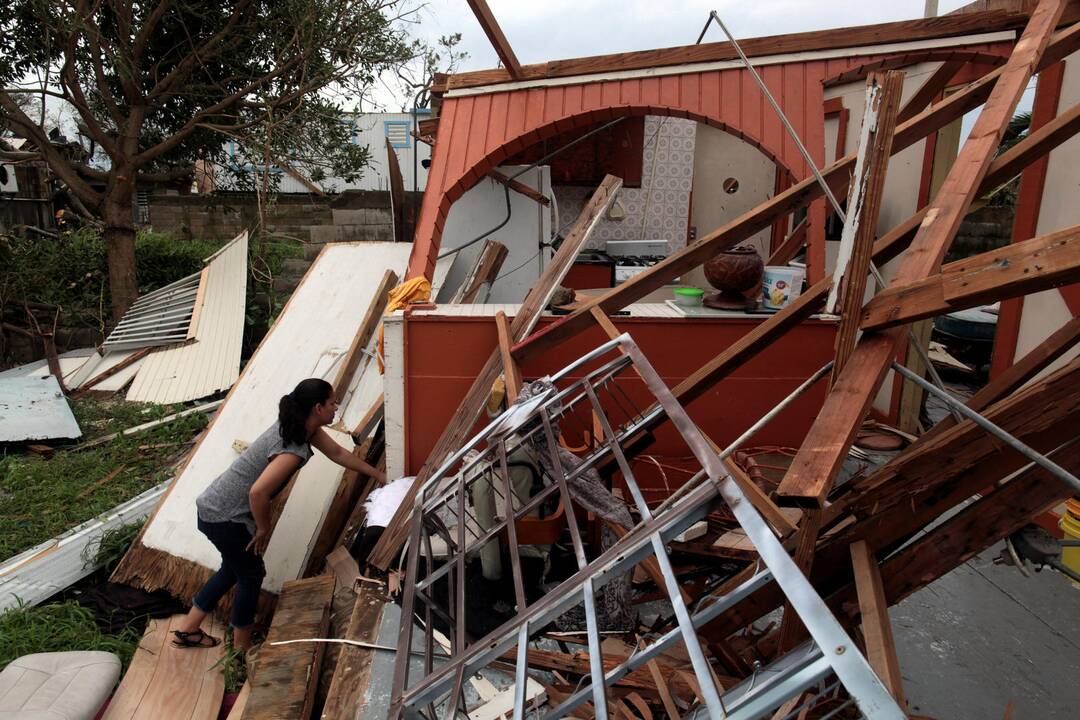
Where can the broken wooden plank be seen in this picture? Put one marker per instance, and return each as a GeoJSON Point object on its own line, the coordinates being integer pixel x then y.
{"type": "Point", "coordinates": [877, 629]}
{"type": "Point", "coordinates": [520, 187]}
{"type": "Point", "coordinates": [1023, 370]}
{"type": "Point", "coordinates": [524, 321]}
{"type": "Point", "coordinates": [286, 676]}
{"type": "Point", "coordinates": [483, 272]}
{"type": "Point", "coordinates": [511, 373]}
{"type": "Point", "coordinates": [791, 245]}
{"type": "Point", "coordinates": [1018, 269]}
{"type": "Point", "coordinates": [863, 207]}
{"type": "Point", "coordinates": [350, 681]}
{"type": "Point", "coordinates": [106, 374]}
{"type": "Point", "coordinates": [814, 468]}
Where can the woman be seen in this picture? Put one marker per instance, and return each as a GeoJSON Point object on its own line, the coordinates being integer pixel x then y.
{"type": "Point", "coordinates": [234, 511]}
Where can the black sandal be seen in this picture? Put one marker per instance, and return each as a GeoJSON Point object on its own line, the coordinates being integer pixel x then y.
{"type": "Point", "coordinates": [194, 639]}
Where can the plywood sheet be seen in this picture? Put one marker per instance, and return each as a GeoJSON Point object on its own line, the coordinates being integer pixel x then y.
{"type": "Point", "coordinates": [164, 681]}
{"type": "Point", "coordinates": [211, 362]}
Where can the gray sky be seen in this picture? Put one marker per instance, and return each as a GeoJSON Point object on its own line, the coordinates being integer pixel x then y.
{"type": "Point", "coordinates": [557, 29]}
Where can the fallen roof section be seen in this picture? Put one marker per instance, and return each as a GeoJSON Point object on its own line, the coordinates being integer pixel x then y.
{"type": "Point", "coordinates": [211, 363]}
{"type": "Point", "coordinates": [309, 339]}
{"type": "Point", "coordinates": [158, 318]}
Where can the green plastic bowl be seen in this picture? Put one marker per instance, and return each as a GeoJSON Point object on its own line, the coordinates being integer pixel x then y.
{"type": "Point", "coordinates": [689, 297]}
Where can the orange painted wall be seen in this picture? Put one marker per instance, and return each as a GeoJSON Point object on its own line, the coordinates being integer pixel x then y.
{"type": "Point", "coordinates": [438, 379]}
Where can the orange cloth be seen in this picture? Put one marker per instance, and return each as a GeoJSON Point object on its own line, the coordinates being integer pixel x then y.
{"type": "Point", "coordinates": [411, 291]}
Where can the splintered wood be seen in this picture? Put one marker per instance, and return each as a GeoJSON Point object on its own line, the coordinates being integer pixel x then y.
{"type": "Point", "coordinates": [285, 676]}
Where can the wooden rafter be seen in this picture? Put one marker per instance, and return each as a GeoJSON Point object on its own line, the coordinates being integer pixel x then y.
{"type": "Point", "coordinates": [814, 468]}
{"type": "Point", "coordinates": [495, 34]}
{"type": "Point", "coordinates": [864, 204]}
{"type": "Point", "coordinates": [1018, 269]}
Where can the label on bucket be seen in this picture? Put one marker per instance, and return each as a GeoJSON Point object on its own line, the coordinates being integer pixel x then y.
{"type": "Point", "coordinates": [780, 286]}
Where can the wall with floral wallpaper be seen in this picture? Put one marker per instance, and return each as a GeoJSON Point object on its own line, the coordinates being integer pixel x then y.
{"type": "Point", "coordinates": [660, 208]}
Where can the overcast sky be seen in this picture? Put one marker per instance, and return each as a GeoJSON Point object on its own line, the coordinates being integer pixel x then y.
{"type": "Point", "coordinates": [556, 29]}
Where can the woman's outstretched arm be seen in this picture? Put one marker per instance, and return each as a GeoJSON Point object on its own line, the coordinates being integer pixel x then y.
{"type": "Point", "coordinates": [343, 457]}
{"type": "Point", "coordinates": [275, 475]}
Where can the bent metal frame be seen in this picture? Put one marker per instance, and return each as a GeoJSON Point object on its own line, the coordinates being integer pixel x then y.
{"type": "Point", "coordinates": [442, 511]}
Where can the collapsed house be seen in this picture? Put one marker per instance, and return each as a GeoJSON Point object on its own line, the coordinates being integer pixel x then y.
{"type": "Point", "coordinates": [627, 419]}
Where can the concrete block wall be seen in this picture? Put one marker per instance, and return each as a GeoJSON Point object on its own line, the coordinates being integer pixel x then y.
{"type": "Point", "coordinates": [351, 216]}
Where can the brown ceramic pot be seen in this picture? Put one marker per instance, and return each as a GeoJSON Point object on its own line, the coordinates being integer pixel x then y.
{"type": "Point", "coordinates": [736, 270]}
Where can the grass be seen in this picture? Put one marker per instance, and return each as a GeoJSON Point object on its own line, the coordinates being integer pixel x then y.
{"type": "Point", "coordinates": [41, 498]}
{"type": "Point", "coordinates": [58, 627]}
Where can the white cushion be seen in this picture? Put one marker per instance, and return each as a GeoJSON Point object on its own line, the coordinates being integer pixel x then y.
{"type": "Point", "coordinates": [57, 686]}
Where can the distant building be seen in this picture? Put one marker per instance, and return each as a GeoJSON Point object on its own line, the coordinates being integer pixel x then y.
{"type": "Point", "coordinates": [371, 129]}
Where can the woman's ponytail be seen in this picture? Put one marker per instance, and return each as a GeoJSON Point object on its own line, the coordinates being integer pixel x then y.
{"type": "Point", "coordinates": [294, 408]}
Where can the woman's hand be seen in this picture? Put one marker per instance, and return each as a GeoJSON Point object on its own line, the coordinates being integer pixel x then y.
{"type": "Point", "coordinates": [259, 542]}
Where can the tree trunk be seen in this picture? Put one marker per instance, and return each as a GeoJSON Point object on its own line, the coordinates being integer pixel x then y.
{"type": "Point", "coordinates": [120, 245]}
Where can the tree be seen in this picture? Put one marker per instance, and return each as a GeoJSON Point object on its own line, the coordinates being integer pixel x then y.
{"type": "Point", "coordinates": [158, 85]}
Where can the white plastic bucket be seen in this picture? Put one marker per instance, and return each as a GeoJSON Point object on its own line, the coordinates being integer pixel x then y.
{"type": "Point", "coordinates": [780, 285]}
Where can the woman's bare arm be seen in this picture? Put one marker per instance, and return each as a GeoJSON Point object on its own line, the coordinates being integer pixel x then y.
{"type": "Point", "coordinates": [276, 474]}
{"type": "Point", "coordinates": [343, 457]}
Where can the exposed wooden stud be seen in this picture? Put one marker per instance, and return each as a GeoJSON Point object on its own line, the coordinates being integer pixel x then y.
{"type": "Point", "coordinates": [494, 33]}
{"type": "Point", "coordinates": [864, 204]}
{"type": "Point", "coordinates": [791, 626]}
{"type": "Point", "coordinates": [483, 272]}
{"type": "Point", "coordinates": [364, 332]}
{"type": "Point", "coordinates": [511, 373]}
{"type": "Point", "coordinates": [912, 395]}
{"type": "Point", "coordinates": [814, 469]}
{"type": "Point", "coordinates": [791, 245]}
{"type": "Point", "coordinates": [930, 89]}
{"type": "Point", "coordinates": [106, 374]}
{"type": "Point", "coordinates": [877, 629]}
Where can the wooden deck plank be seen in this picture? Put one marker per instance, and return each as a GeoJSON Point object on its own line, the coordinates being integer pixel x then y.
{"type": "Point", "coordinates": [171, 682]}
{"type": "Point", "coordinates": [286, 676]}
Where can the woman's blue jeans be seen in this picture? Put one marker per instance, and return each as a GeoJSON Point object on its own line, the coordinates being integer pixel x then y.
{"type": "Point", "coordinates": [239, 567]}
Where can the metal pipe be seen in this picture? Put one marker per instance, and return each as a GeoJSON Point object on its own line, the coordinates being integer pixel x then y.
{"type": "Point", "coordinates": [783, 118]}
{"type": "Point", "coordinates": [1026, 450]}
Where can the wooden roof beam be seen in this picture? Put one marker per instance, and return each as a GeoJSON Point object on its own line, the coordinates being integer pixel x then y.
{"type": "Point", "coordinates": [814, 469]}
{"type": "Point", "coordinates": [495, 34]}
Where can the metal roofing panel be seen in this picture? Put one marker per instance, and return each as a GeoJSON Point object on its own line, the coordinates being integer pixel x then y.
{"type": "Point", "coordinates": [210, 363]}
{"type": "Point", "coordinates": [34, 408]}
{"type": "Point", "coordinates": [157, 318]}
{"type": "Point", "coordinates": [98, 364]}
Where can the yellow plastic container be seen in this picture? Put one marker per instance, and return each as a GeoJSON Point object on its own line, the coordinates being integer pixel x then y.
{"type": "Point", "coordinates": [1070, 526]}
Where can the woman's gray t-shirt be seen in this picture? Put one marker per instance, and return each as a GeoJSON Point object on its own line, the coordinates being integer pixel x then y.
{"type": "Point", "coordinates": [226, 500]}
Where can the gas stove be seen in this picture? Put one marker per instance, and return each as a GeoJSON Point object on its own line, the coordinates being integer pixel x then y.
{"type": "Point", "coordinates": [635, 256]}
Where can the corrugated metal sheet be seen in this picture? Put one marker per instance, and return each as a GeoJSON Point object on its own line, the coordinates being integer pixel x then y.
{"type": "Point", "coordinates": [212, 362]}
{"type": "Point", "coordinates": [158, 318]}
{"type": "Point", "coordinates": [71, 364]}
{"type": "Point", "coordinates": [98, 364]}
{"type": "Point", "coordinates": [33, 408]}
{"type": "Point", "coordinates": [41, 572]}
